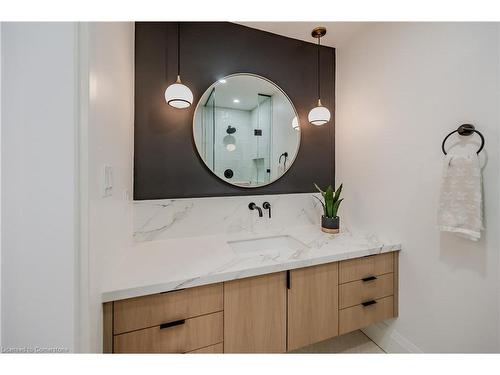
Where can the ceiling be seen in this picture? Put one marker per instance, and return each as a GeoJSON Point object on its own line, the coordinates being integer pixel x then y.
{"type": "Point", "coordinates": [337, 33]}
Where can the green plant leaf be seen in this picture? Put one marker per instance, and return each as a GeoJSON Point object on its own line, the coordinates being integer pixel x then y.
{"type": "Point", "coordinates": [336, 207]}
{"type": "Point", "coordinates": [329, 190]}
{"type": "Point", "coordinates": [331, 198]}
{"type": "Point", "coordinates": [319, 189]}
{"type": "Point", "coordinates": [324, 207]}
{"type": "Point", "coordinates": [337, 193]}
{"type": "Point", "coordinates": [329, 201]}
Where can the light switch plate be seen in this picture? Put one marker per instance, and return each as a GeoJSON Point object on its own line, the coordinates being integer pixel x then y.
{"type": "Point", "coordinates": [107, 181]}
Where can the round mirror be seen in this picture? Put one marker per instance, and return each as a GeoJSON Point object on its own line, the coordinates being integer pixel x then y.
{"type": "Point", "coordinates": [246, 130]}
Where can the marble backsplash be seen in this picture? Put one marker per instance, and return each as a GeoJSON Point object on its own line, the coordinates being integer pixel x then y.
{"type": "Point", "coordinates": [178, 218]}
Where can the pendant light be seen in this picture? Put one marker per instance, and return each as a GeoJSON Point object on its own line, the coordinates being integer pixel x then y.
{"type": "Point", "coordinates": [319, 115]}
{"type": "Point", "coordinates": [177, 94]}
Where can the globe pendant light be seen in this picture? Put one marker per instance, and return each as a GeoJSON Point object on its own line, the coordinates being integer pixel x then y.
{"type": "Point", "coordinates": [177, 94]}
{"type": "Point", "coordinates": [319, 115]}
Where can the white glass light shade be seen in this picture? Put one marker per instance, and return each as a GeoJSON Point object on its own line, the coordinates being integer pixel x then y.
{"type": "Point", "coordinates": [178, 95]}
{"type": "Point", "coordinates": [319, 115]}
{"type": "Point", "coordinates": [295, 124]}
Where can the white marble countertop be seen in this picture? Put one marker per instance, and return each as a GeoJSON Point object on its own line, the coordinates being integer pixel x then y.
{"type": "Point", "coordinates": [161, 266]}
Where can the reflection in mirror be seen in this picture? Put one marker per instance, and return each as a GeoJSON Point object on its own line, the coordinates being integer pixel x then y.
{"type": "Point", "coordinates": [246, 130]}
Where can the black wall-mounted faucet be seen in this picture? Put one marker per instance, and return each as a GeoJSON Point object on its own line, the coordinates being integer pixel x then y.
{"type": "Point", "coordinates": [253, 206]}
{"type": "Point", "coordinates": [267, 206]}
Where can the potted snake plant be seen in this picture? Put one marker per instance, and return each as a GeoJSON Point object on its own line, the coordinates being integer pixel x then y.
{"type": "Point", "coordinates": [330, 222]}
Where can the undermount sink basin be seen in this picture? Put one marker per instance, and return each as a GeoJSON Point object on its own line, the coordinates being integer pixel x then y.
{"type": "Point", "coordinates": [267, 245]}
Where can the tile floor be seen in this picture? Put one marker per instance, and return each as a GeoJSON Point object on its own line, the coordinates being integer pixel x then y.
{"type": "Point", "coordinates": [354, 342]}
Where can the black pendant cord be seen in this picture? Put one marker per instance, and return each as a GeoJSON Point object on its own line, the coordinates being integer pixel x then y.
{"type": "Point", "coordinates": [166, 51]}
{"type": "Point", "coordinates": [178, 49]}
{"type": "Point", "coordinates": [319, 80]}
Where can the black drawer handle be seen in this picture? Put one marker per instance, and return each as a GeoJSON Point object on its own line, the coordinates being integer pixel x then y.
{"type": "Point", "coordinates": [368, 303]}
{"type": "Point", "coordinates": [369, 278]}
{"type": "Point", "coordinates": [172, 324]}
{"type": "Point", "coordinates": [288, 280]}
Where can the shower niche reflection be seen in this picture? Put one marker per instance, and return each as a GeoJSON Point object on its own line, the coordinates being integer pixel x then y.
{"type": "Point", "coordinates": [246, 130]}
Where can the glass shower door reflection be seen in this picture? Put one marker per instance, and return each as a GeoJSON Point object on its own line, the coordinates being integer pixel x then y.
{"type": "Point", "coordinates": [263, 138]}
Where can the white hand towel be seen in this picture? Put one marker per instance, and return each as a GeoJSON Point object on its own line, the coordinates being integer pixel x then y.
{"type": "Point", "coordinates": [460, 206]}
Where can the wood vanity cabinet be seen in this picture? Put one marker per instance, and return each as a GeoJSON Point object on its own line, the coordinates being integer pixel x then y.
{"type": "Point", "coordinates": [312, 305]}
{"type": "Point", "coordinates": [174, 322]}
{"type": "Point", "coordinates": [271, 313]}
{"type": "Point", "coordinates": [255, 314]}
{"type": "Point", "coordinates": [367, 291]}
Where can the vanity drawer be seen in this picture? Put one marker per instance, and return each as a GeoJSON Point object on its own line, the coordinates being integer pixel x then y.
{"type": "Point", "coordinates": [212, 349]}
{"type": "Point", "coordinates": [143, 312]}
{"type": "Point", "coordinates": [360, 316]}
{"type": "Point", "coordinates": [356, 292]}
{"type": "Point", "coordinates": [194, 333]}
{"type": "Point", "coordinates": [359, 268]}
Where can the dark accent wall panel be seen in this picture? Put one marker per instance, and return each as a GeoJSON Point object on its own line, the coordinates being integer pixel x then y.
{"type": "Point", "coordinates": [166, 163]}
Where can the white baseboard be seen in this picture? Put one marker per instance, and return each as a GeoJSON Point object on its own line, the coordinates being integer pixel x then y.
{"type": "Point", "coordinates": [390, 340]}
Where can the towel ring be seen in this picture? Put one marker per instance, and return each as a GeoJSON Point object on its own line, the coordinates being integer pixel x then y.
{"type": "Point", "coordinates": [465, 130]}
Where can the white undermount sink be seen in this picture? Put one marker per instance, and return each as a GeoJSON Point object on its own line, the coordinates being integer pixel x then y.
{"type": "Point", "coordinates": [268, 245]}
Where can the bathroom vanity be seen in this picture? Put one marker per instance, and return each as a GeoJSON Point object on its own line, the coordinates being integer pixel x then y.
{"type": "Point", "coordinates": [230, 277]}
{"type": "Point", "coordinates": [271, 312]}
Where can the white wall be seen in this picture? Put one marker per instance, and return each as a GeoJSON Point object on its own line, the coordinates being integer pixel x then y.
{"type": "Point", "coordinates": [57, 76]}
{"type": "Point", "coordinates": [401, 89]}
{"type": "Point", "coordinates": [0, 184]}
{"type": "Point", "coordinates": [107, 138]}
{"type": "Point", "coordinates": [39, 306]}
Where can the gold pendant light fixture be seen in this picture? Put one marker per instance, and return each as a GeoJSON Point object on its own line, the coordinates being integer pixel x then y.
{"type": "Point", "coordinates": [177, 94]}
{"type": "Point", "coordinates": [319, 115]}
